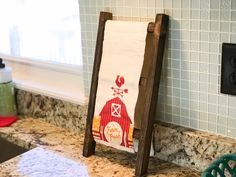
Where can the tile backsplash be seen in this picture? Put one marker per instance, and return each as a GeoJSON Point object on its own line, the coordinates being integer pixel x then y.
{"type": "Point", "coordinates": [189, 94]}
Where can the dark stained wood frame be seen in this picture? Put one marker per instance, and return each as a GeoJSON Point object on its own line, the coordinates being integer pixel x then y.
{"type": "Point", "coordinates": [148, 85]}
{"type": "Point", "coordinates": [89, 143]}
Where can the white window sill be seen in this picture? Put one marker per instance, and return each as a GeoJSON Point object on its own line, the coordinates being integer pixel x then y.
{"type": "Point", "coordinates": [54, 80]}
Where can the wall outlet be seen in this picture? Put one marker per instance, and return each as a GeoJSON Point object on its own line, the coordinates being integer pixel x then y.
{"type": "Point", "coordinates": [228, 69]}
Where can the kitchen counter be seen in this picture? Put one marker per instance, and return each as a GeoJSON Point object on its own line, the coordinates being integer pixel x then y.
{"type": "Point", "coordinates": [57, 152]}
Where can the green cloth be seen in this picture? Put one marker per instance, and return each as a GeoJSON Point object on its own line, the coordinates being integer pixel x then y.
{"type": "Point", "coordinates": [7, 100]}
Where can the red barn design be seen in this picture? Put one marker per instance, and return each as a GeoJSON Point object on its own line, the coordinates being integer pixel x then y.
{"type": "Point", "coordinates": [113, 124]}
{"type": "Point", "coordinates": [115, 111]}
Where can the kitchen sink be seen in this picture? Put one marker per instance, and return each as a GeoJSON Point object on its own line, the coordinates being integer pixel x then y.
{"type": "Point", "coordinates": [9, 150]}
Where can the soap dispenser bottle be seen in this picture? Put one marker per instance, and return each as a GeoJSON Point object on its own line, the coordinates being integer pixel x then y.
{"type": "Point", "coordinates": [7, 96]}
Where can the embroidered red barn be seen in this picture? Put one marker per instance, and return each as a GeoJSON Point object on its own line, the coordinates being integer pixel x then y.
{"type": "Point", "coordinates": [113, 124]}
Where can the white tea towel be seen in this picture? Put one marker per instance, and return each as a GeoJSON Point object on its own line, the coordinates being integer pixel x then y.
{"type": "Point", "coordinates": [121, 65]}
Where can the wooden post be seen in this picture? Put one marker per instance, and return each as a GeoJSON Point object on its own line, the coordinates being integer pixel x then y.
{"type": "Point", "coordinates": [89, 143]}
{"type": "Point", "coordinates": [159, 35]}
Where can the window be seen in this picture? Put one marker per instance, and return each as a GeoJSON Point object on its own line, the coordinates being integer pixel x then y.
{"type": "Point", "coordinates": [41, 41]}
{"type": "Point", "coordinates": [41, 29]}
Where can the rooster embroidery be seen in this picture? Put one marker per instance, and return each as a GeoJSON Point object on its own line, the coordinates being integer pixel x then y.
{"type": "Point", "coordinates": [120, 80]}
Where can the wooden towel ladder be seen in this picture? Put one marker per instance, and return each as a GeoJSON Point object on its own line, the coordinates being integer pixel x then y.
{"type": "Point", "coordinates": [148, 88]}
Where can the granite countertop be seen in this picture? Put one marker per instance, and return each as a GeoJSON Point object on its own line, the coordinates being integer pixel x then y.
{"type": "Point", "coordinates": [57, 152]}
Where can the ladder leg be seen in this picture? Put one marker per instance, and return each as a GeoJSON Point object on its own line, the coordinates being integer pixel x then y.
{"type": "Point", "coordinates": [89, 146]}
{"type": "Point", "coordinates": [89, 143]}
{"type": "Point", "coordinates": [144, 150]}
{"type": "Point", "coordinates": [159, 35]}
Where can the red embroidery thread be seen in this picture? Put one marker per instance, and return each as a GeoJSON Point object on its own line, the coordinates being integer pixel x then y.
{"type": "Point", "coordinates": [114, 119]}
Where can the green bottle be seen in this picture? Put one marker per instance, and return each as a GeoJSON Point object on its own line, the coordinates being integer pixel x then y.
{"type": "Point", "coordinates": [7, 96]}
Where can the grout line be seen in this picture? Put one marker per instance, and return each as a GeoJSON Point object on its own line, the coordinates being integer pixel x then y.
{"type": "Point", "coordinates": [181, 62]}
{"type": "Point", "coordinates": [172, 89]}
{"type": "Point", "coordinates": [219, 30]}
{"type": "Point", "coordinates": [207, 112]}
{"type": "Point", "coordinates": [227, 117]}
{"type": "Point", "coordinates": [190, 65]}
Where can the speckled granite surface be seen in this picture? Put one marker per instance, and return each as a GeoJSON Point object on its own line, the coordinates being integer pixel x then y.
{"type": "Point", "coordinates": [58, 145]}
{"type": "Point", "coordinates": [190, 148]}
{"type": "Point", "coordinates": [57, 112]}
{"type": "Point", "coordinates": [179, 145]}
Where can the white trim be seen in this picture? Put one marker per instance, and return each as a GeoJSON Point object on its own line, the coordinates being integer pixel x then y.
{"type": "Point", "coordinates": [54, 80]}
{"type": "Point", "coordinates": [81, 100]}
{"type": "Point", "coordinates": [44, 64]}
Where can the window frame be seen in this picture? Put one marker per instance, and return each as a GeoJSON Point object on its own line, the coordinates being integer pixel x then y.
{"type": "Point", "coordinates": [56, 80]}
